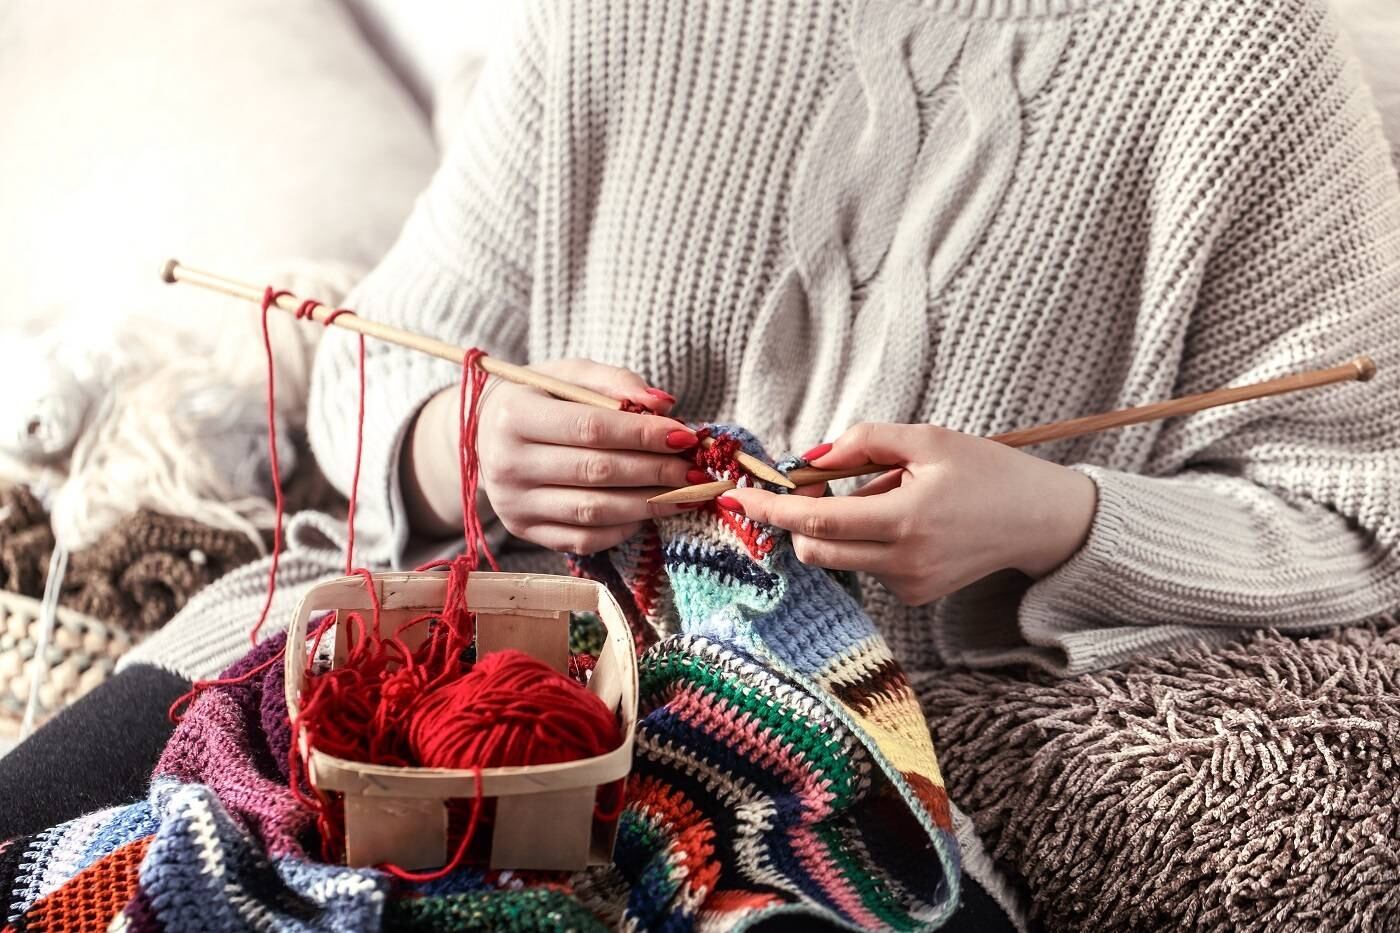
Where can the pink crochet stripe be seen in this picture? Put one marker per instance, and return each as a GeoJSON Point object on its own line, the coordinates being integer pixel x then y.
{"type": "Point", "coordinates": [723, 721]}
{"type": "Point", "coordinates": [812, 853]}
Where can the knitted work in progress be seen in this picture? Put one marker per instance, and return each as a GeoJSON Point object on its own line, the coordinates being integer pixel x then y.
{"type": "Point", "coordinates": [782, 766]}
{"type": "Point", "coordinates": [1249, 787]}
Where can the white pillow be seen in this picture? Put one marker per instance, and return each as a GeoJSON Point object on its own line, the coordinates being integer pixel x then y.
{"type": "Point", "coordinates": [1374, 29]}
{"type": "Point", "coordinates": [244, 136]}
{"type": "Point", "coordinates": [430, 42]}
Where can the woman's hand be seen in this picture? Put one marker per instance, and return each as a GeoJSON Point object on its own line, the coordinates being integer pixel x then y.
{"type": "Point", "coordinates": [960, 508]}
{"type": "Point", "coordinates": [562, 475]}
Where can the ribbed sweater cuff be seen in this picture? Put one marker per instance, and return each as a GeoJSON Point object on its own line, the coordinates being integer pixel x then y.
{"type": "Point", "coordinates": [1013, 9]}
{"type": "Point", "coordinates": [1065, 610]}
{"type": "Point", "coordinates": [1127, 591]}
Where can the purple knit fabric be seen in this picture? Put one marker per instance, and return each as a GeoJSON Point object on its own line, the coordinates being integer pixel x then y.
{"type": "Point", "coordinates": [213, 745]}
{"type": "Point", "coordinates": [139, 915]}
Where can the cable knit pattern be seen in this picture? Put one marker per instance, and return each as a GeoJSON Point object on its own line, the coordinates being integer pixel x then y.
{"type": "Point", "coordinates": [984, 214]}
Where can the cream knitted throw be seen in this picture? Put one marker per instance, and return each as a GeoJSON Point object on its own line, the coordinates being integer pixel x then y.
{"type": "Point", "coordinates": [979, 213]}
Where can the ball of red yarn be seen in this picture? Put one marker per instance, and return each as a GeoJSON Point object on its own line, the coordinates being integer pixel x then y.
{"type": "Point", "coordinates": [510, 709]}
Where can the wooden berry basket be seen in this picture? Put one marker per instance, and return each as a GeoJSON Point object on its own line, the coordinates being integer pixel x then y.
{"type": "Point", "coordinates": [544, 813]}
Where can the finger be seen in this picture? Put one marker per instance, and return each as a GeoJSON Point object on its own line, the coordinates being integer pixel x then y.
{"type": "Point", "coordinates": [869, 442]}
{"type": "Point", "coordinates": [885, 482]}
{"type": "Point", "coordinates": [567, 505]}
{"type": "Point", "coordinates": [813, 490]}
{"type": "Point", "coordinates": [834, 518]}
{"type": "Point", "coordinates": [551, 421]}
{"type": "Point", "coordinates": [841, 555]}
{"type": "Point", "coordinates": [612, 381]}
{"type": "Point", "coordinates": [576, 540]}
{"type": "Point", "coordinates": [557, 465]}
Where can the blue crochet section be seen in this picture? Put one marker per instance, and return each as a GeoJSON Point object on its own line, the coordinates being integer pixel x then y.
{"type": "Point", "coordinates": [126, 825]}
{"type": "Point", "coordinates": [205, 873]}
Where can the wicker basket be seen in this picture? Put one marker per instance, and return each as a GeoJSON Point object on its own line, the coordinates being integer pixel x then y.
{"type": "Point", "coordinates": [82, 653]}
{"type": "Point", "coordinates": [544, 813]}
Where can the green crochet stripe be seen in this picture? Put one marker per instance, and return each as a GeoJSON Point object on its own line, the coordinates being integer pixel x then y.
{"type": "Point", "coordinates": [874, 894]}
{"type": "Point", "coordinates": [701, 593]}
{"type": "Point", "coordinates": [533, 910]}
{"type": "Point", "coordinates": [644, 830]}
{"type": "Point", "coordinates": [586, 634]}
{"type": "Point", "coordinates": [782, 724]}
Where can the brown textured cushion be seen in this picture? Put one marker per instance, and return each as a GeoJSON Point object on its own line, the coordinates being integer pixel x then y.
{"type": "Point", "coordinates": [138, 575]}
{"type": "Point", "coordinates": [1250, 787]}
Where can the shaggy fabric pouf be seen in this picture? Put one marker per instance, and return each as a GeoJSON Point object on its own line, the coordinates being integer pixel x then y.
{"type": "Point", "coordinates": [1250, 787]}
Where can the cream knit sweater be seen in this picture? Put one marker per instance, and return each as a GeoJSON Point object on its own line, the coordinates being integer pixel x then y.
{"type": "Point", "coordinates": [984, 214]}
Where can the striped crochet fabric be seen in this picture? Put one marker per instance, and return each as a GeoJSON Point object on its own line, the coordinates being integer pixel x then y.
{"type": "Point", "coordinates": [782, 767]}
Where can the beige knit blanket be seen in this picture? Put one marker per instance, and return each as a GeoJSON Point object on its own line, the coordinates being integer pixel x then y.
{"type": "Point", "coordinates": [1250, 787]}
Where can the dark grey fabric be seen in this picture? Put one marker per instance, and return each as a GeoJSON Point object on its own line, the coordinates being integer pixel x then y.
{"type": "Point", "coordinates": [97, 753]}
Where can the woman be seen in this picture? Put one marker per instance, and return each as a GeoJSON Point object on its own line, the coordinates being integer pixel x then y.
{"type": "Point", "coordinates": [899, 228]}
{"type": "Point", "coordinates": [889, 230]}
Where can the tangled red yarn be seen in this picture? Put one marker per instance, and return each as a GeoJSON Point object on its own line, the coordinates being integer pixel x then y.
{"type": "Point", "coordinates": [510, 709]}
{"type": "Point", "coordinates": [412, 697]}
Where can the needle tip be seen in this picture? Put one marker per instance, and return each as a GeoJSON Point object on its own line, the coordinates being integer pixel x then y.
{"type": "Point", "coordinates": [703, 492]}
{"type": "Point", "coordinates": [1365, 368]}
{"type": "Point", "coordinates": [167, 270]}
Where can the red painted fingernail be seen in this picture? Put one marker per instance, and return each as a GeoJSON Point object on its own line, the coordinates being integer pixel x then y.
{"type": "Point", "coordinates": [666, 397]}
{"type": "Point", "coordinates": [696, 476]}
{"type": "Point", "coordinates": [817, 452]}
{"type": "Point", "coordinates": [733, 505]}
{"type": "Point", "coordinates": [681, 440]}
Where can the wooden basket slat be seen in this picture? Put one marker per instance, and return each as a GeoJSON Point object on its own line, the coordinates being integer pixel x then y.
{"type": "Point", "coordinates": [556, 829]}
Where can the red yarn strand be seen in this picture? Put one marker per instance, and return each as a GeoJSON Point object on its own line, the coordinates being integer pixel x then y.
{"type": "Point", "coordinates": [424, 706]}
{"type": "Point", "coordinates": [469, 417]}
{"type": "Point", "coordinates": [270, 297]}
{"type": "Point", "coordinates": [459, 854]}
{"type": "Point", "coordinates": [359, 457]}
{"type": "Point", "coordinates": [306, 311]}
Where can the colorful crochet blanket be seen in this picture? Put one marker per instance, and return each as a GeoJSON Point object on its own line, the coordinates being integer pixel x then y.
{"type": "Point", "coordinates": [782, 767]}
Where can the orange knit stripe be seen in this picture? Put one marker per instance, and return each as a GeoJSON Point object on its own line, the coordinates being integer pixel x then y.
{"type": "Point", "coordinates": [91, 898]}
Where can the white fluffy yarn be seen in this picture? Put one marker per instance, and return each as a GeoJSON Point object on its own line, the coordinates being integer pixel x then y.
{"type": "Point", "coordinates": [177, 440]}
{"type": "Point", "coordinates": [51, 383]}
{"type": "Point", "coordinates": [105, 421]}
{"type": "Point", "coordinates": [45, 408]}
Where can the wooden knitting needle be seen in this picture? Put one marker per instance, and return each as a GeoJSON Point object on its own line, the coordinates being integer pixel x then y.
{"type": "Point", "coordinates": [175, 271]}
{"type": "Point", "coordinates": [1360, 369]}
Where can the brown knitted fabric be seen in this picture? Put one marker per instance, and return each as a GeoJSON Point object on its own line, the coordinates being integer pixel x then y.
{"type": "Point", "coordinates": [1251, 787]}
{"type": "Point", "coordinates": [25, 542]}
{"type": "Point", "coordinates": [138, 575]}
{"type": "Point", "coordinates": [148, 566]}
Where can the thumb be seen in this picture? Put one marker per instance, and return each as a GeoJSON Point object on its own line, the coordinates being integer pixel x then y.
{"type": "Point", "coordinates": [889, 444]}
{"type": "Point", "coordinates": [612, 381]}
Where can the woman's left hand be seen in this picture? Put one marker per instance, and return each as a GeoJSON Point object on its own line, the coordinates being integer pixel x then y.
{"type": "Point", "coordinates": [960, 507]}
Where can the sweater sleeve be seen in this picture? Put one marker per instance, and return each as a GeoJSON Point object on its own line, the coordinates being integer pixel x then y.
{"type": "Point", "coordinates": [1284, 512]}
{"type": "Point", "coordinates": [460, 272]}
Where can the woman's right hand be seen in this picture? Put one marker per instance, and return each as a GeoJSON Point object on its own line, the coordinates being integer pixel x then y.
{"type": "Point", "coordinates": [563, 475]}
